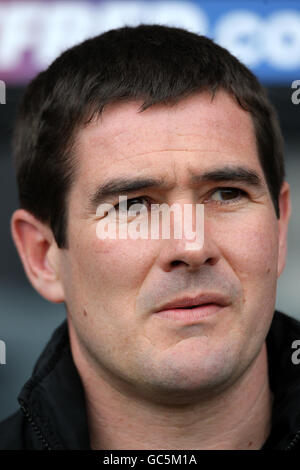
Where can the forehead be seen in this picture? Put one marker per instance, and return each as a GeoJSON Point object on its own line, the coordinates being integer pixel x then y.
{"type": "Point", "coordinates": [196, 131]}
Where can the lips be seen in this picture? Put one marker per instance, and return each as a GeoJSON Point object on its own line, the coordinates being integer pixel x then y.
{"type": "Point", "coordinates": [191, 310]}
{"type": "Point", "coordinates": [187, 302]}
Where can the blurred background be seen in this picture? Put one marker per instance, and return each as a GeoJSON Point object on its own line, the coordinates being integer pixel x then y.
{"type": "Point", "coordinates": [265, 35]}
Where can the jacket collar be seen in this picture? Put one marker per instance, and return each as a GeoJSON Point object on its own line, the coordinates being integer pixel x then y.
{"type": "Point", "coordinates": [53, 398]}
{"type": "Point", "coordinates": [284, 379]}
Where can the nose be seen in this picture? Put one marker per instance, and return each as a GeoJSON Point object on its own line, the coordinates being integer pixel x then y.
{"type": "Point", "coordinates": [174, 252]}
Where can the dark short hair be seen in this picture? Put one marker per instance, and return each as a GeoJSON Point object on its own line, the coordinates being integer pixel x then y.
{"type": "Point", "coordinates": [152, 63]}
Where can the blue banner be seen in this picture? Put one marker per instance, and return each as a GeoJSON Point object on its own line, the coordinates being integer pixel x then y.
{"type": "Point", "coordinates": [265, 35]}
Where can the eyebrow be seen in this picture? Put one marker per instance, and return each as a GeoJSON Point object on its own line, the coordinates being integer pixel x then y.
{"type": "Point", "coordinates": [235, 174]}
{"type": "Point", "coordinates": [126, 185]}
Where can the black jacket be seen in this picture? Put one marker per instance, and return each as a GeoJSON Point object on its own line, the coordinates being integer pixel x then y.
{"type": "Point", "coordinates": [52, 407]}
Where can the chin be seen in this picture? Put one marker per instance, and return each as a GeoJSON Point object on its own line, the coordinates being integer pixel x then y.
{"type": "Point", "coordinates": [188, 378]}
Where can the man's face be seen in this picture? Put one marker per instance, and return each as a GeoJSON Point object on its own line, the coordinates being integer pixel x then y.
{"type": "Point", "coordinates": [113, 287]}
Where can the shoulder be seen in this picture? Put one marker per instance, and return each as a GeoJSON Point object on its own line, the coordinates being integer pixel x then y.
{"type": "Point", "coordinates": [283, 335]}
{"type": "Point", "coordinates": [284, 328]}
{"type": "Point", "coordinates": [12, 432]}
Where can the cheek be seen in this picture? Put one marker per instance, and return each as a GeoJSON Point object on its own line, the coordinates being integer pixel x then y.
{"type": "Point", "coordinates": [106, 277]}
{"type": "Point", "coordinates": [250, 246]}
{"type": "Point", "coordinates": [108, 269]}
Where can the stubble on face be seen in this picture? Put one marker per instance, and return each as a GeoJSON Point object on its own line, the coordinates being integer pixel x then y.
{"type": "Point", "coordinates": [114, 286]}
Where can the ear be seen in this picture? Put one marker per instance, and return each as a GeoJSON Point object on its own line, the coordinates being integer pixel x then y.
{"type": "Point", "coordinates": [285, 212]}
{"type": "Point", "coordinates": [39, 254]}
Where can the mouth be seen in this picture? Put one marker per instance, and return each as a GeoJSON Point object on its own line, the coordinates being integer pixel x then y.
{"type": "Point", "coordinates": [193, 310]}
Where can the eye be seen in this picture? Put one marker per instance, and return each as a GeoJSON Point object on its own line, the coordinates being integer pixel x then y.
{"type": "Point", "coordinates": [227, 195]}
{"type": "Point", "coordinates": [125, 205]}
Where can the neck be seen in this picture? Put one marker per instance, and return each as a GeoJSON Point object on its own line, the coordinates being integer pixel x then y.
{"type": "Point", "coordinates": [237, 418]}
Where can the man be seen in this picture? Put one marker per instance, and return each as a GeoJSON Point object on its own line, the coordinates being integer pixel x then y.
{"type": "Point", "coordinates": [164, 347]}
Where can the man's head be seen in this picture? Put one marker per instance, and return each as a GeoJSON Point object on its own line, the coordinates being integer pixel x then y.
{"type": "Point", "coordinates": [153, 64]}
{"type": "Point", "coordinates": [205, 125]}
